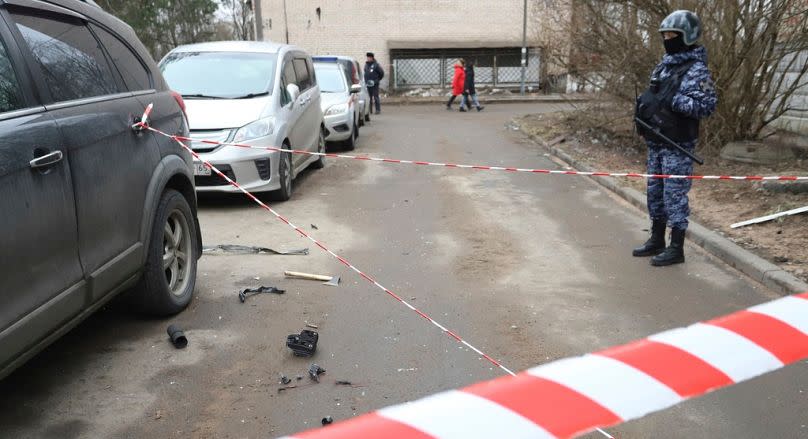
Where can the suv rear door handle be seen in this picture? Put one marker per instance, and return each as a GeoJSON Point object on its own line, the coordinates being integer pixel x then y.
{"type": "Point", "coordinates": [46, 160]}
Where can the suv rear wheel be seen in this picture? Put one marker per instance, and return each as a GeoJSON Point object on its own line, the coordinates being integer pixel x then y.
{"type": "Point", "coordinates": [169, 277]}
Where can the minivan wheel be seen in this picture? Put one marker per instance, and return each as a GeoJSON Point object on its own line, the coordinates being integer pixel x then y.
{"type": "Point", "coordinates": [320, 162]}
{"type": "Point", "coordinates": [169, 276]}
{"type": "Point", "coordinates": [285, 176]}
{"type": "Point", "coordinates": [350, 144]}
{"type": "Point", "coordinates": [367, 117]}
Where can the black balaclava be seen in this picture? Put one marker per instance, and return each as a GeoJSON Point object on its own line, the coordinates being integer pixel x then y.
{"type": "Point", "coordinates": [675, 45]}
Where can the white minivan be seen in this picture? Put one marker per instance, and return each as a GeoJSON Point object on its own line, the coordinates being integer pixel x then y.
{"type": "Point", "coordinates": [254, 93]}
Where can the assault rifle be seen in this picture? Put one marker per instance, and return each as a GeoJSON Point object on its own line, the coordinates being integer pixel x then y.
{"type": "Point", "coordinates": [666, 139]}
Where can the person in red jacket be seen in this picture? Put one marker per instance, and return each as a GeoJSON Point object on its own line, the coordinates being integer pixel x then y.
{"type": "Point", "coordinates": [458, 81]}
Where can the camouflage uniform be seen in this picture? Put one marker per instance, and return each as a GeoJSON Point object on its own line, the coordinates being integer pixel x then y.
{"type": "Point", "coordinates": [667, 199]}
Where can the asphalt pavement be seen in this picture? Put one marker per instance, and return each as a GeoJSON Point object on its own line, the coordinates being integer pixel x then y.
{"type": "Point", "coordinates": [529, 268]}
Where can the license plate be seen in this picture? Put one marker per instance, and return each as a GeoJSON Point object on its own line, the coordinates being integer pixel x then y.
{"type": "Point", "coordinates": [201, 170]}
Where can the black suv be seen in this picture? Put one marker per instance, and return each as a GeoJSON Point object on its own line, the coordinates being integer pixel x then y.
{"type": "Point", "coordinates": [89, 206]}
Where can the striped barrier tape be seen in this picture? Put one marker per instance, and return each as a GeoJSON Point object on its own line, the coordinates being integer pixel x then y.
{"type": "Point", "coordinates": [336, 256]}
{"type": "Point", "coordinates": [573, 396]}
{"type": "Point", "coordinates": [494, 168]}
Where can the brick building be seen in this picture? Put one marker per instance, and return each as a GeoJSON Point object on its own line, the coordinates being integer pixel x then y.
{"type": "Point", "coordinates": [417, 41]}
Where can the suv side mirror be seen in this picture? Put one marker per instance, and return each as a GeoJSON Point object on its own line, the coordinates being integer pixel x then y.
{"type": "Point", "coordinates": [356, 88]}
{"type": "Point", "coordinates": [294, 92]}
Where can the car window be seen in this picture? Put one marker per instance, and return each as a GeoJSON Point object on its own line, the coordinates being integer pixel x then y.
{"type": "Point", "coordinates": [331, 78]}
{"type": "Point", "coordinates": [302, 73]}
{"type": "Point", "coordinates": [312, 73]}
{"type": "Point", "coordinates": [135, 75]}
{"type": "Point", "coordinates": [69, 56]}
{"type": "Point", "coordinates": [225, 75]}
{"type": "Point", "coordinates": [10, 93]}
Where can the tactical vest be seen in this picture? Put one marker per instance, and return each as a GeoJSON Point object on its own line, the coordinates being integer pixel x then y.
{"type": "Point", "coordinates": [654, 107]}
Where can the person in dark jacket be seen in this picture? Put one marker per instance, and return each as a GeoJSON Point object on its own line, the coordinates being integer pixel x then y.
{"type": "Point", "coordinates": [469, 90]}
{"type": "Point", "coordinates": [373, 77]}
{"type": "Point", "coordinates": [458, 81]}
{"type": "Point", "coordinates": [681, 92]}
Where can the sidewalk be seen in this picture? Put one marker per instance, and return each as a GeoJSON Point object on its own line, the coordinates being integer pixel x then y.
{"type": "Point", "coordinates": [486, 99]}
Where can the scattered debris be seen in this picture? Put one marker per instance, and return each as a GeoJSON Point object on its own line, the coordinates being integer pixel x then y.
{"type": "Point", "coordinates": [781, 259]}
{"type": "Point", "coordinates": [285, 380]}
{"type": "Point", "coordinates": [327, 280]}
{"type": "Point", "coordinates": [312, 325]}
{"type": "Point", "coordinates": [249, 250]}
{"type": "Point", "coordinates": [314, 226]}
{"type": "Point", "coordinates": [327, 420]}
{"type": "Point", "coordinates": [158, 414]}
{"type": "Point", "coordinates": [412, 369]}
{"type": "Point", "coordinates": [763, 219]}
{"type": "Point", "coordinates": [177, 337]}
{"type": "Point", "coordinates": [247, 292]}
{"type": "Point", "coordinates": [299, 377]}
{"type": "Point", "coordinates": [303, 344]}
{"type": "Point", "coordinates": [344, 383]}
{"type": "Point", "coordinates": [315, 371]}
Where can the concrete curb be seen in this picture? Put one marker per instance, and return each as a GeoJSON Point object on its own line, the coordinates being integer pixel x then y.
{"type": "Point", "coordinates": [484, 100]}
{"type": "Point", "coordinates": [744, 261]}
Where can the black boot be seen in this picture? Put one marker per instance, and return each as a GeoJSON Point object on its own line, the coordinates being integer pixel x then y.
{"type": "Point", "coordinates": [656, 243]}
{"type": "Point", "coordinates": [675, 253]}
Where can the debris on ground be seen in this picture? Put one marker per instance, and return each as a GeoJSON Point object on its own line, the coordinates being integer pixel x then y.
{"type": "Point", "coordinates": [344, 383]}
{"type": "Point", "coordinates": [247, 292]}
{"type": "Point", "coordinates": [177, 337]}
{"type": "Point", "coordinates": [299, 377]}
{"type": "Point", "coordinates": [327, 280]}
{"type": "Point", "coordinates": [285, 380]}
{"type": "Point", "coordinates": [314, 226]}
{"type": "Point", "coordinates": [249, 250]}
{"type": "Point", "coordinates": [763, 219]}
{"type": "Point", "coordinates": [315, 371]}
{"type": "Point", "coordinates": [303, 344]}
{"type": "Point", "coordinates": [327, 420]}
{"type": "Point", "coordinates": [312, 325]}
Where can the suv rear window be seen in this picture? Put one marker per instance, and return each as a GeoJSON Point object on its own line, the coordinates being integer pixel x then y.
{"type": "Point", "coordinates": [135, 76]}
{"type": "Point", "coordinates": [10, 97]}
{"type": "Point", "coordinates": [69, 57]}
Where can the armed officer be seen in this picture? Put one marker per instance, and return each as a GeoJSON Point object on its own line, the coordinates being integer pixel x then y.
{"type": "Point", "coordinates": [681, 93]}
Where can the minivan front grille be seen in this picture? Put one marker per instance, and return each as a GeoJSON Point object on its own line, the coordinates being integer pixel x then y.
{"type": "Point", "coordinates": [263, 168]}
{"type": "Point", "coordinates": [214, 135]}
{"type": "Point", "coordinates": [214, 179]}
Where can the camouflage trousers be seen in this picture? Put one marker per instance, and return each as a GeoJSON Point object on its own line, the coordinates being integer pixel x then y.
{"type": "Point", "coordinates": [667, 198]}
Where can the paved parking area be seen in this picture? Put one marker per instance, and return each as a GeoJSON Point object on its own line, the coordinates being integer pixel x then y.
{"type": "Point", "coordinates": [529, 268]}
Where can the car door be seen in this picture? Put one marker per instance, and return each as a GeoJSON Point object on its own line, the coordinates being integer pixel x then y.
{"type": "Point", "coordinates": [110, 163]}
{"type": "Point", "coordinates": [41, 279]}
{"type": "Point", "coordinates": [311, 106]}
{"type": "Point", "coordinates": [293, 111]}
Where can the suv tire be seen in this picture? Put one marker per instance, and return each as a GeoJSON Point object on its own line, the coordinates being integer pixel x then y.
{"type": "Point", "coordinates": [350, 144]}
{"type": "Point", "coordinates": [169, 276]}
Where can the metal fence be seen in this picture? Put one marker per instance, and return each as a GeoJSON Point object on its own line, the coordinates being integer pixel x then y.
{"type": "Point", "coordinates": [499, 67]}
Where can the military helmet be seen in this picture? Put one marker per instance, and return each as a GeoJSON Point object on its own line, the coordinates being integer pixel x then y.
{"type": "Point", "coordinates": [684, 22]}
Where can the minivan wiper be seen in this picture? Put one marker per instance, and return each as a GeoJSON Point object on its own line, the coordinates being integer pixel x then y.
{"type": "Point", "coordinates": [201, 96]}
{"type": "Point", "coordinates": [252, 95]}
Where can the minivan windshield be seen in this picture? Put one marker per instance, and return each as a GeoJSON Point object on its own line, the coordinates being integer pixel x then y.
{"type": "Point", "coordinates": [330, 79]}
{"type": "Point", "coordinates": [219, 75]}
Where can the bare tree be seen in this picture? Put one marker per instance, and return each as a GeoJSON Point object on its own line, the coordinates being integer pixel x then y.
{"type": "Point", "coordinates": [238, 15]}
{"type": "Point", "coordinates": [613, 45]}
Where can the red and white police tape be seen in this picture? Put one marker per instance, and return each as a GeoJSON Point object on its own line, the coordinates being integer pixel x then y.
{"type": "Point", "coordinates": [319, 244]}
{"type": "Point", "coordinates": [573, 396]}
{"type": "Point", "coordinates": [495, 168]}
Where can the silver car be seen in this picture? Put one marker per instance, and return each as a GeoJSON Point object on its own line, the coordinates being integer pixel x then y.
{"type": "Point", "coordinates": [356, 74]}
{"type": "Point", "coordinates": [339, 104]}
{"type": "Point", "coordinates": [254, 93]}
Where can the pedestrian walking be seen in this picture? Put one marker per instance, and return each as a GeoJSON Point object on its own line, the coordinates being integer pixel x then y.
{"type": "Point", "coordinates": [469, 90]}
{"type": "Point", "coordinates": [373, 77]}
{"type": "Point", "coordinates": [681, 92]}
{"type": "Point", "coordinates": [458, 81]}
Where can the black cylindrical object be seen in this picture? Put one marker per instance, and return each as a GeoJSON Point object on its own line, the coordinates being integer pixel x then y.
{"type": "Point", "coordinates": [327, 420]}
{"type": "Point", "coordinates": [177, 337]}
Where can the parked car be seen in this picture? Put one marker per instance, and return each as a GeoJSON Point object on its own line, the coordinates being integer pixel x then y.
{"type": "Point", "coordinates": [357, 75]}
{"type": "Point", "coordinates": [254, 93]}
{"type": "Point", "coordinates": [339, 104]}
{"type": "Point", "coordinates": [89, 206]}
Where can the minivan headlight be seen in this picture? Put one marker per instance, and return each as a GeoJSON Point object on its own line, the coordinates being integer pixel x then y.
{"type": "Point", "coordinates": [255, 130]}
{"type": "Point", "coordinates": [336, 109]}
